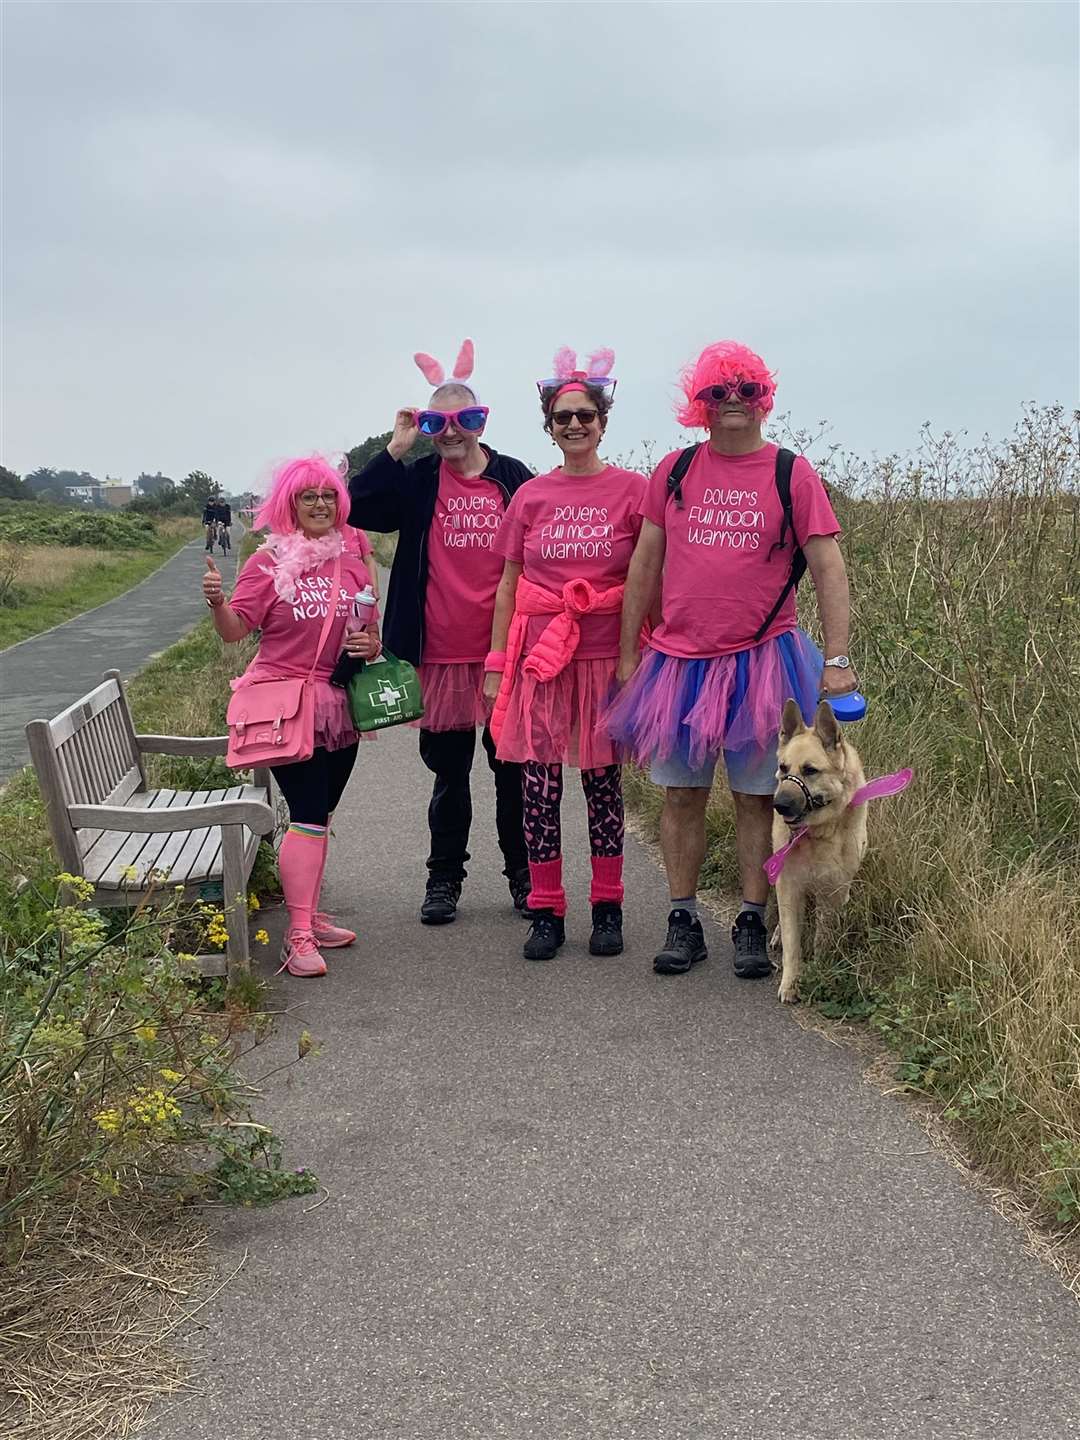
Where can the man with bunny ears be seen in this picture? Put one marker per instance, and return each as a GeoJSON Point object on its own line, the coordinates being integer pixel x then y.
{"type": "Point", "coordinates": [447, 509]}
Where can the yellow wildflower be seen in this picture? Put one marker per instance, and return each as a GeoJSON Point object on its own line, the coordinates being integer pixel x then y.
{"type": "Point", "coordinates": [253, 902]}
{"type": "Point", "coordinates": [80, 888]}
{"type": "Point", "coordinates": [146, 1033]}
{"type": "Point", "coordinates": [172, 1076]}
{"type": "Point", "coordinates": [129, 873]}
{"type": "Point", "coordinates": [262, 937]}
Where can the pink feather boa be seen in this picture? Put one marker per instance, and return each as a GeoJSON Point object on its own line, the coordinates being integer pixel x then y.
{"type": "Point", "coordinates": [292, 555]}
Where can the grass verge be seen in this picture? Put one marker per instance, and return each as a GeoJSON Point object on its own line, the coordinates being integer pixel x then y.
{"type": "Point", "coordinates": [48, 584]}
{"type": "Point", "coordinates": [121, 1101]}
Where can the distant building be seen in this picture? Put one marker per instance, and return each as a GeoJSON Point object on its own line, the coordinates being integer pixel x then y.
{"type": "Point", "coordinates": [84, 494]}
{"type": "Point", "coordinates": [115, 494]}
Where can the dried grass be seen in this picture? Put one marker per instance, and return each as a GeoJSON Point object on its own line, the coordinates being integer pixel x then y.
{"type": "Point", "coordinates": [51, 567]}
{"type": "Point", "coordinates": [85, 1314]}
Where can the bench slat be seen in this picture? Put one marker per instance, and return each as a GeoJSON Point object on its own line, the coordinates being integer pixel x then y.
{"type": "Point", "coordinates": [185, 861]}
{"type": "Point", "coordinates": [71, 720]}
{"type": "Point", "coordinates": [115, 850]}
{"type": "Point", "coordinates": [208, 860]}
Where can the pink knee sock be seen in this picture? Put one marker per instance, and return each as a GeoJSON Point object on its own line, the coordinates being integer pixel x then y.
{"type": "Point", "coordinates": [317, 904]}
{"type": "Point", "coordinates": [547, 892]}
{"type": "Point", "coordinates": [607, 883]}
{"type": "Point", "coordinates": [300, 860]}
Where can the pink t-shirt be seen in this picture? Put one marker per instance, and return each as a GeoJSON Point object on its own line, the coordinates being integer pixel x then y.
{"type": "Point", "coordinates": [576, 527]}
{"type": "Point", "coordinates": [356, 541]}
{"type": "Point", "coordinates": [464, 569]}
{"type": "Point", "coordinates": [719, 583]}
{"type": "Point", "coordinates": [290, 630]}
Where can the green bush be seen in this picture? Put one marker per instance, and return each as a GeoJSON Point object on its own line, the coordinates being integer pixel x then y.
{"type": "Point", "coordinates": [34, 524]}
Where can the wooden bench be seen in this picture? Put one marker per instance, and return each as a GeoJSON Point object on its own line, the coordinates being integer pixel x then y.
{"type": "Point", "coordinates": [106, 824]}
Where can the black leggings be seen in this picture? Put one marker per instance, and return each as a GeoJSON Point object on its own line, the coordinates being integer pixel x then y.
{"type": "Point", "coordinates": [312, 788]}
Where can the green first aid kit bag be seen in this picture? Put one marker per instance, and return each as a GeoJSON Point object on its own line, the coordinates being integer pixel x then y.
{"type": "Point", "coordinates": [386, 692]}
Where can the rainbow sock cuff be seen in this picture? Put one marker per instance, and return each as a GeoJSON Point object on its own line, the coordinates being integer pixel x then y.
{"type": "Point", "coordinates": [312, 832]}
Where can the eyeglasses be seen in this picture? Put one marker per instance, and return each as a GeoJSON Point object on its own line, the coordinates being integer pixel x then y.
{"type": "Point", "coordinates": [310, 498]}
{"type": "Point", "coordinates": [604, 383]}
{"type": "Point", "coordinates": [472, 420]}
{"type": "Point", "coordinates": [564, 417]}
{"type": "Point", "coordinates": [748, 390]}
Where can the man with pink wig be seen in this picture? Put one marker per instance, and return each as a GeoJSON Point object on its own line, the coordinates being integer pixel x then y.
{"type": "Point", "coordinates": [727, 528]}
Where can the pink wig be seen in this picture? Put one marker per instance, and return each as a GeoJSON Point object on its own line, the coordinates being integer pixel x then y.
{"type": "Point", "coordinates": [291, 478]}
{"type": "Point", "coordinates": [726, 360]}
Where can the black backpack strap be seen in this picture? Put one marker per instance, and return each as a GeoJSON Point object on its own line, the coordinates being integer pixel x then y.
{"type": "Point", "coordinates": [785, 461]}
{"type": "Point", "coordinates": [678, 473]}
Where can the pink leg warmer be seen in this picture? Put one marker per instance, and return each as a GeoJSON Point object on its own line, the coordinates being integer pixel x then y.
{"type": "Point", "coordinates": [547, 890]}
{"type": "Point", "coordinates": [606, 879]}
{"type": "Point", "coordinates": [300, 860]}
{"type": "Point", "coordinates": [322, 863]}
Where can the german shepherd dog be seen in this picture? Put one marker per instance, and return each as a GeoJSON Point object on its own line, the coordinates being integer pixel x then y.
{"type": "Point", "coordinates": [818, 772]}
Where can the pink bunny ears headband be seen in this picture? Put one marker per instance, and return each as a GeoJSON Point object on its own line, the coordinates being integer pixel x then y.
{"type": "Point", "coordinates": [434, 373]}
{"type": "Point", "coordinates": [596, 375]}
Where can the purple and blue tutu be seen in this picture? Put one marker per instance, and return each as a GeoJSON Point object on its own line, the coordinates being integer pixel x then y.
{"type": "Point", "coordinates": [697, 708]}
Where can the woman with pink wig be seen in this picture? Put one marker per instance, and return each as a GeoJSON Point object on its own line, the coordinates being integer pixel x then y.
{"type": "Point", "coordinates": [566, 542]}
{"type": "Point", "coordinates": [284, 592]}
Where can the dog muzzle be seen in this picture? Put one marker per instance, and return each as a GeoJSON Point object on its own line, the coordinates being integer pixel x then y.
{"type": "Point", "coordinates": [810, 800]}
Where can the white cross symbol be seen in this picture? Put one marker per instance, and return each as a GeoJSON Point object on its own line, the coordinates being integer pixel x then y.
{"type": "Point", "coordinates": [390, 698]}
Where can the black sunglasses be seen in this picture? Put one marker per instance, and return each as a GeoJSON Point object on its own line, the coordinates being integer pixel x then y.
{"type": "Point", "coordinates": [585, 417]}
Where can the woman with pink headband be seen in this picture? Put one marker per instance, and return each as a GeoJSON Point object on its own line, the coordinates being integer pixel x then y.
{"type": "Point", "coordinates": [283, 591]}
{"type": "Point", "coordinates": [567, 541]}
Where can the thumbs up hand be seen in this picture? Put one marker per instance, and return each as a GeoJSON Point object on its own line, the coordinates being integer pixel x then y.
{"type": "Point", "coordinates": [211, 585]}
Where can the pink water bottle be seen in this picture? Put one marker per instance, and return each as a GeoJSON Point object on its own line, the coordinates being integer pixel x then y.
{"type": "Point", "coordinates": [362, 612]}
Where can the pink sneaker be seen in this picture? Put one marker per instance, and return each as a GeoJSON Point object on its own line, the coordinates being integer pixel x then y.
{"type": "Point", "coordinates": [300, 954]}
{"type": "Point", "coordinates": [329, 934]}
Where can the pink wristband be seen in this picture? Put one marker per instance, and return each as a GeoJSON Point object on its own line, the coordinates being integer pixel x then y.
{"type": "Point", "coordinates": [496, 662]}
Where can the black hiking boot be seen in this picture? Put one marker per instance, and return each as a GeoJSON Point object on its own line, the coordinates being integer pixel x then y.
{"type": "Point", "coordinates": [751, 941]}
{"type": "Point", "coordinates": [685, 945]}
{"type": "Point", "coordinates": [606, 937]}
{"type": "Point", "coordinates": [440, 901]}
{"type": "Point", "coordinates": [547, 933]}
{"type": "Point", "coordinates": [520, 886]}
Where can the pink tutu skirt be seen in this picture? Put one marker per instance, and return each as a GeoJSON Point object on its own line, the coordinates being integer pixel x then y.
{"type": "Point", "coordinates": [453, 696]}
{"type": "Point", "coordinates": [556, 721]}
{"type": "Point", "coordinates": [333, 723]}
{"type": "Point", "coordinates": [696, 708]}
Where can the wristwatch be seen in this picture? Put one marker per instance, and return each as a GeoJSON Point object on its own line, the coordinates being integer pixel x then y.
{"type": "Point", "coordinates": [839, 662]}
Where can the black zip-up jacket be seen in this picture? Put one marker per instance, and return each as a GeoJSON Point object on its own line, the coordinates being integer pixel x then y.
{"type": "Point", "coordinates": [390, 495]}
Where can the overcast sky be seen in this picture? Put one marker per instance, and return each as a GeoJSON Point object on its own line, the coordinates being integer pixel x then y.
{"type": "Point", "coordinates": [227, 227]}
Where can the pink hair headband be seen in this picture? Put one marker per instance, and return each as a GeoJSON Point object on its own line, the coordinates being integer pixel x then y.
{"type": "Point", "coordinates": [434, 373]}
{"type": "Point", "coordinates": [566, 376]}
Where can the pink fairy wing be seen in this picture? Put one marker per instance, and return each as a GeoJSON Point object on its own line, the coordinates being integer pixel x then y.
{"type": "Point", "coordinates": [600, 364]}
{"type": "Point", "coordinates": [463, 365]}
{"type": "Point", "coordinates": [564, 364]}
{"type": "Point", "coordinates": [430, 368]}
{"type": "Point", "coordinates": [883, 785]}
{"type": "Point", "coordinates": [775, 863]}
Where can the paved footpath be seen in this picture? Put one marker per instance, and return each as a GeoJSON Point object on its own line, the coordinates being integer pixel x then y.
{"type": "Point", "coordinates": [581, 1202]}
{"type": "Point", "coordinates": [42, 675]}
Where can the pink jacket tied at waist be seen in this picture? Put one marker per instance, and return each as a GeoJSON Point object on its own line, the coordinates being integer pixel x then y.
{"type": "Point", "coordinates": [558, 643]}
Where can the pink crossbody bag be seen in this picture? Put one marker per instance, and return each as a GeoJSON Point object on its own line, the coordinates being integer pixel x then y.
{"type": "Point", "coordinates": [272, 722]}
